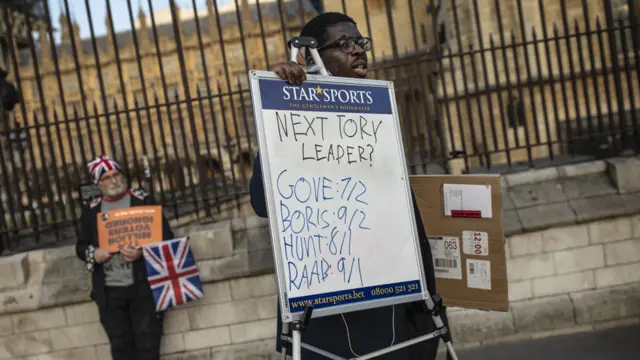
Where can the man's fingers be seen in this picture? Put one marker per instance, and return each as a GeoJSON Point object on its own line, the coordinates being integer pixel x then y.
{"type": "Point", "coordinates": [291, 76]}
{"type": "Point", "coordinates": [281, 73]}
{"type": "Point", "coordinates": [301, 76]}
{"type": "Point", "coordinates": [285, 73]}
{"type": "Point", "coordinates": [277, 71]}
{"type": "Point", "coordinates": [290, 72]}
{"type": "Point", "coordinates": [102, 257]}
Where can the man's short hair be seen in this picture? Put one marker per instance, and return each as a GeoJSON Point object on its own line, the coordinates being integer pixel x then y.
{"type": "Point", "coordinates": [317, 27]}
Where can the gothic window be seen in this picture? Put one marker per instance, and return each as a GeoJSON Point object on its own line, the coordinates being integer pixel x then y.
{"type": "Point", "coordinates": [202, 86]}
{"type": "Point", "coordinates": [132, 70]}
{"type": "Point", "coordinates": [272, 46]}
{"type": "Point", "coordinates": [170, 64]}
{"type": "Point", "coordinates": [234, 53]}
{"type": "Point", "coordinates": [74, 108]}
{"type": "Point", "coordinates": [515, 112]}
{"type": "Point", "coordinates": [19, 137]}
{"type": "Point", "coordinates": [111, 103]}
{"type": "Point", "coordinates": [138, 96]}
{"type": "Point", "coordinates": [70, 84]}
{"type": "Point", "coordinates": [239, 77]}
{"type": "Point", "coordinates": [621, 14]}
{"type": "Point", "coordinates": [441, 21]}
{"type": "Point", "coordinates": [173, 92]}
{"type": "Point", "coordinates": [199, 68]}
{"type": "Point", "coordinates": [379, 5]}
{"type": "Point", "coordinates": [106, 75]}
{"type": "Point", "coordinates": [35, 95]}
{"type": "Point", "coordinates": [77, 145]}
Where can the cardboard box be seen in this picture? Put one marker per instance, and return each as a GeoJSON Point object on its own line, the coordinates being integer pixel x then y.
{"type": "Point", "coordinates": [462, 216]}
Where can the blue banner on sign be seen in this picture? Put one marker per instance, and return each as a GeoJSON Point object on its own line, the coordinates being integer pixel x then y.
{"type": "Point", "coordinates": [313, 96]}
{"type": "Point", "coordinates": [319, 301]}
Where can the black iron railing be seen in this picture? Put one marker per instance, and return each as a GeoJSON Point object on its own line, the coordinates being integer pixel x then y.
{"type": "Point", "coordinates": [528, 83]}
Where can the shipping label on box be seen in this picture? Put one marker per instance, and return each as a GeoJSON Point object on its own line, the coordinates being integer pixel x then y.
{"type": "Point", "coordinates": [446, 257]}
{"type": "Point", "coordinates": [462, 216]}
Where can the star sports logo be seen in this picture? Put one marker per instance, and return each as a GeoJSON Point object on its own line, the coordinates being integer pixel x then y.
{"type": "Point", "coordinates": [327, 95]}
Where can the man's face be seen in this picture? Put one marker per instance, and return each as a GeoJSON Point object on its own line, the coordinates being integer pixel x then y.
{"type": "Point", "coordinates": [112, 184]}
{"type": "Point", "coordinates": [344, 64]}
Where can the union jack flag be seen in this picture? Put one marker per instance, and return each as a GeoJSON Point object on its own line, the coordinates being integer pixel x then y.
{"type": "Point", "coordinates": [172, 273]}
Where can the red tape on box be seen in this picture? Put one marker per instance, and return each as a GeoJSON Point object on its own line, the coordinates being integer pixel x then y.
{"type": "Point", "coordinates": [466, 213]}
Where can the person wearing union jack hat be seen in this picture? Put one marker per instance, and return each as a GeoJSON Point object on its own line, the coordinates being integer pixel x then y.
{"type": "Point", "coordinates": [120, 286]}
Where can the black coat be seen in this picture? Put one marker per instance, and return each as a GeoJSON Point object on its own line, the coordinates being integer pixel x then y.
{"type": "Point", "coordinates": [369, 330]}
{"type": "Point", "coordinates": [88, 235]}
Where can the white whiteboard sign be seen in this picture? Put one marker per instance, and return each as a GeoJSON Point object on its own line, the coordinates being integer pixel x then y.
{"type": "Point", "coordinates": [337, 191]}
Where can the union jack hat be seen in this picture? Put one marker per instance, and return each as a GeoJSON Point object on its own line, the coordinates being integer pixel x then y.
{"type": "Point", "coordinates": [100, 166]}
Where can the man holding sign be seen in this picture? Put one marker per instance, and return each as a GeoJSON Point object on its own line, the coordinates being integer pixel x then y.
{"type": "Point", "coordinates": [344, 53]}
{"type": "Point", "coordinates": [112, 229]}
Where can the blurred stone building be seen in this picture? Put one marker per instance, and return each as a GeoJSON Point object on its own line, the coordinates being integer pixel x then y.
{"type": "Point", "coordinates": [113, 108]}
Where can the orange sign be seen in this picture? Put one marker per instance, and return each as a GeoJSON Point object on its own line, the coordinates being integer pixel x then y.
{"type": "Point", "coordinates": [134, 226]}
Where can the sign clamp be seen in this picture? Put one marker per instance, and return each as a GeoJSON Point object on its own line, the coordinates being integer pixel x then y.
{"type": "Point", "coordinates": [300, 44]}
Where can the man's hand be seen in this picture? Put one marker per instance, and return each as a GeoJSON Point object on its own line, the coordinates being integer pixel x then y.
{"type": "Point", "coordinates": [101, 256]}
{"type": "Point", "coordinates": [291, 71]}
{"type": "Point", "coordinates": [131, 254]}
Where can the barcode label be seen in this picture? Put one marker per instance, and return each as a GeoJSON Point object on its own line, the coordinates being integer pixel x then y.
{"type": "Point", "coordinates": [478, 274]}
{"type": "Point", "coordinates": [446, 263]}
{"type": "Point", "coordinates": [446, 257]}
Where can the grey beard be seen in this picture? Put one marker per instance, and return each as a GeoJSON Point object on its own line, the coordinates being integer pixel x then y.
{"type": "Point", "coordinates": [116, 191]}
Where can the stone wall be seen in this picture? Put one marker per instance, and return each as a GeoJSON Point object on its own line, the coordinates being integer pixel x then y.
{"type": "Point", "coordinates": [565, 279]}
{"type": "Point", "coordinates": [573, 237]}
{"type": "Point", "coordinates": [45, 312]}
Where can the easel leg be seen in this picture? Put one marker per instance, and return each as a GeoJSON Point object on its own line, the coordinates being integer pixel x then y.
{"type": "Point", "coordinates": [285, 342]}
{"type": "Point", "coordinates": [297, 328]}
{"type": "Point", "coordinates": [446, 337]}
{"type": "Point", "coordinates": [294, 339]}
{"type": "Point", "coordinates": [434, 304]}
{"type": "Point", "coordinates": [297, 345]}
{"type": "Point", "coordinates": [450, 350]}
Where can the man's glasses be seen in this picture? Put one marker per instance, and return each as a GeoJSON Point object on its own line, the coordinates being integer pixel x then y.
{"type": "Point", "coordinates": [111, 178]}
{"type": "Point", "coordinates": [348, 45]}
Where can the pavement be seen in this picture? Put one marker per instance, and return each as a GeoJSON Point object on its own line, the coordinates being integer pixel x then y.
{"type": "Point", "coordinates": [622, 343]}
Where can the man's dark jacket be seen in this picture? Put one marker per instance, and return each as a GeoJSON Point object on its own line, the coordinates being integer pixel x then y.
{"type": "Point", "coordinates": [88, 235]}
{"type": "Point", "coordinates": [329, 332]}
